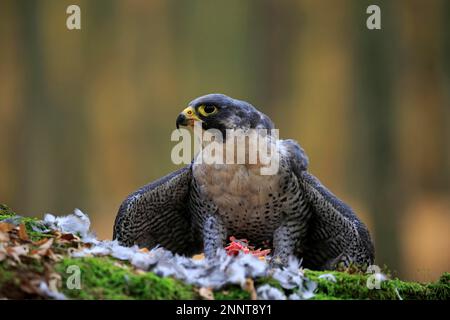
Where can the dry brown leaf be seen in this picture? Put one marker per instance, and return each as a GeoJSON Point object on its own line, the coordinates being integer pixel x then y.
{"type": "Point", "coordinates": [40, 242]}
{"type": "Point", "coordinates": [69, 237]}
{"type": "Point", "coordinates": [82, 245]}
{"type": "Point", "coordinates": [17, 251]}
{"type": "Point", "coordinates": [249, 286]}
{"type": "Point", "coordinates": [56, 257]}
{"type": "Point", "coordinates": [2, 253]}
{"type": "Point", "coordinates": [139, 271]}
{"type": "Point", "coordinates": [51, 255]}
{"type": "Point", "coordinates": [70, 251]}
{"type": "Point", "coordinates": [6, 227]}
{"type": "Point", "coordinates": [122, 265]}
{"type": "Point", "coordinates": [200, 256]}
{"type": "Point", "coordinates": [44, 248]}
{"type": "Point", "coordinates": [30, 286]}
{"type": "Point", "coordinates": [206, 293]}
{"type": "Point", "coordinates": [57, 233]}
{"type": "Point", "coordinates": [144, 250]}
{"type": "Point", "coordinates": [23, 235]}
{"type": "Point", "coordinates": [4, 236]}
{"type": "Point", "coordinates": [54, 281]}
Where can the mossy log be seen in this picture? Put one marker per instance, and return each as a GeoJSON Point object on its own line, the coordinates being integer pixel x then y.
{"type": "Point", "coordinates": [108, 278]}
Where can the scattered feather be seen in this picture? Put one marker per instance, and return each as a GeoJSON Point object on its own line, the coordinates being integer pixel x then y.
{"type": "Point", "coordinates": [328, 276]}
{"type": "Point", "coordinates": [43, 287]}
{"type": "Point", "coordinates": [267, 292]}
{"type": "Point", "coordinates": [238, 263]}
{"type": "Point", "coordinates": [398, 294]}
{"type": "Point", "coordinates": [76, 223]}
{"type": "Point", "coordinates": [289, 277]}
{"type": "Point", "coordinates": [307, 291]}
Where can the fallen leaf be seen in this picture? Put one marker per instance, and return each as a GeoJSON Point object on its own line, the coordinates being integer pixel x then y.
{"type": "Point", "coordinates": [44, 248]}
{"type": "Point", "coordinates": [2, 253]}
{"type": "Point", "coordinates": [70, 251]}
{"type": "Point", "coordinates": [54, 281]}
{"type": "Point", "coordinates": [57, 233]}
{"type": "Point", "coordinates": [249, 286]}
{"type": "Point", "coordinates": [206, 293]}
{"type": "Point", "coordinates": [139, 271]}
{"type": "Point", "coordinates": [30, 286]}
{"type": "Point", "coordinates": [23, 235]}
{"type": "Point", "coordinates": [68, 237]}
{"type": "Point", "coordinates": [17, 251]}
{"type": "Point", "coordinates": [200, 256]}
{"type": "Point", "coordinates": [56, 257]}
{"type": "Point", "coordinates": [4, 236]}
{"type": "Point", "coordinates": [6, 227]}
{"type": "Point", "coordinates": [49, 293]}
{"type": "Point", "coordinates": [40, 242]}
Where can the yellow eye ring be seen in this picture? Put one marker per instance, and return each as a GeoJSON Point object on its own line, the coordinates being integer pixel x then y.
{"type": "Point", "coordinates": [207, 110]}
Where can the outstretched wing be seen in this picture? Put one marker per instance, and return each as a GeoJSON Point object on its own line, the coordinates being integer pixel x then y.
{"type": "Point", "coordinates": [157, 214]}
{"type": "Point", "coordinates": [334, 230]}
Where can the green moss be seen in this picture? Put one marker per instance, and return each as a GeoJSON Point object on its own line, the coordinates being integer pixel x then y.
{"type": "Point", "coordinates": [354, 286]}
{"type": "Point", "coordinates": [270, 281]}
{"type": "Point", "coordinates": [103, 278]}
{"type": "Point", "coordinates": [445, 278]}
{"type": "Point", "coordinates": [6, 275]}
{"type": "Point", "coordinates": [108, 278]}
{"type": "Point", "coordinates": [9, 283]}
{"type": "Point", "coordinates": [232, 293]}
{"type": "Point", "coordinates": [15, 279]}
{"type": "Point", "coordinates": [5, 212]}
{"type": "Point", "coordinates": [323, 296]}
{"type": "Point", "coordinates": [236, 293]}
{"type": "Point", "coordinates": [35, 227]}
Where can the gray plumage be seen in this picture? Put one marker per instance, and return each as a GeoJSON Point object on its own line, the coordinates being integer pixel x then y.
{"type": "Point", "coordinates": [199, 206]}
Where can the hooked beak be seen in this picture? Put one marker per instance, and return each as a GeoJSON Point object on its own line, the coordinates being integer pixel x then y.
{"type": "Point", "coordinates": [187, 117]}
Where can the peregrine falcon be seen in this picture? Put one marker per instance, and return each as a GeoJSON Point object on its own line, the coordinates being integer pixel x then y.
{"type": "Point", "coordinates": [196, 208]}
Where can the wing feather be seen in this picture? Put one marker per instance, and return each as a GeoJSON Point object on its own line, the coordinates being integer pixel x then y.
{"type": "Point", "coordinates": [158, 214]}
{"type": "Point", "coordinates": [333, 227]}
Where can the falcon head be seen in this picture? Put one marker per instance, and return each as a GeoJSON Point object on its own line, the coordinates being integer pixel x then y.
{"type": "Point", "coordinates": [218, 111]}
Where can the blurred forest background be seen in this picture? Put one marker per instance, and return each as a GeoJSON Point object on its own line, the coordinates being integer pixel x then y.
{"type": "Point", "coordinates": [86, 116]}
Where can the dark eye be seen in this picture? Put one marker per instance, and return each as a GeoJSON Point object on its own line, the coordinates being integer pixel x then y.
{"type": "Point", "coordinates": [207, 110]}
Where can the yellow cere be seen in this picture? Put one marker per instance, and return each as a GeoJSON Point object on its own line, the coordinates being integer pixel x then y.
{"type": "Point", "coordinates": [190, 113]}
